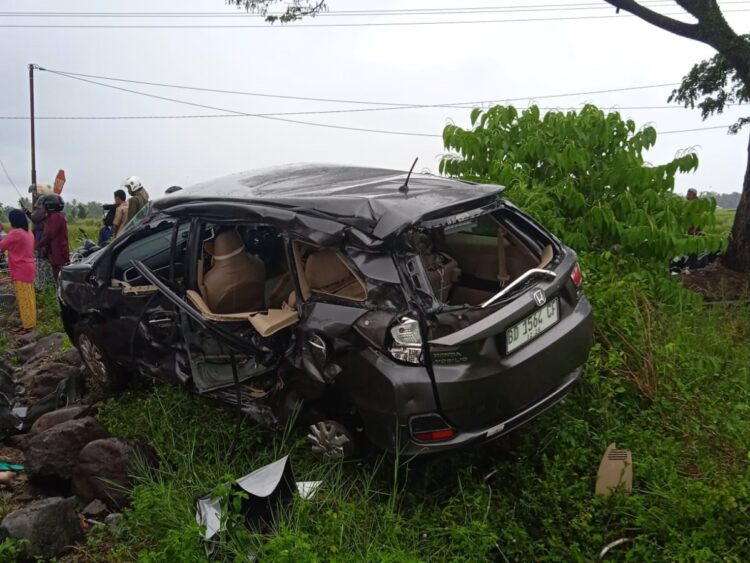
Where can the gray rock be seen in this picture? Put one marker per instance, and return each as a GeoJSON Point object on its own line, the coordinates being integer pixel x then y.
{"type": "Point", "coordinates": [95, 509]}
{"type": "Point", "coordinates": [52, 454]}
{"type": "Point", "coordinates": [49, 525]}
{"type": "Point", "coordinates": [7, 300]}
{"type": "Point", "coordinates": [44, 347]}
{"type": "Point", "coordinates": [51, 419]}
{"type": "Point", "coordinates": [70, 357]}
{"type": "Point", "coordinates": [28, 338]}
{"type": "Point", "coordinates": [115, 523]}
{"type": "Point", "coordinates": [105, 467]}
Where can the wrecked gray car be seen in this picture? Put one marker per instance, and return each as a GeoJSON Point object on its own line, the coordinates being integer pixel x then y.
{"type": "Point", "coordinates": [420, 312]}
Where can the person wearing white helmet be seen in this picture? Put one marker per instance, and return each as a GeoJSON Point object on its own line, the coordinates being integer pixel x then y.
{"type": "Point", "coordinates": [138, 195]}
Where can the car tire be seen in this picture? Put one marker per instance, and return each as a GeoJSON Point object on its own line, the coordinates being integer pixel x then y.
{"type": "Point", "coordinates": [102, 375]}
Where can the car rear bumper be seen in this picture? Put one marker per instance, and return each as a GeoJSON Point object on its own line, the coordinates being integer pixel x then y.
{"type": "Point", "coordinates": [491, 398]}
{"type": "Point", "coordinates": [493, 432]}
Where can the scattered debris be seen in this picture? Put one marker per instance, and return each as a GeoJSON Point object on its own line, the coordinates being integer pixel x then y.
{"type": "Point", "coordinates": [5, 466]}
{"type": "Point", "coordinates": [37, 387]}
{"type": "Point", "coordinates": [270, 486]}
{"type": "Point", "coordinates": [615, 471]}
{"type": "Point", "coordinates": [611, 545]}
{"type": "Point", "coordinates": [49, 526]}
{"type": "Point", "coordinates": [95, 509]}
{"type": "Point", "coordinates": [115, 523]}
{"type": "Point", "coordinates": [718, 283]}
{"type": "Point", "coordinates": [50, 444]}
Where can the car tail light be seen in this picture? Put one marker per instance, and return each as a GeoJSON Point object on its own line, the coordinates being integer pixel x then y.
{"type": "Point", "coordinates": [407, 341]}
{"type": "Point", "coordinates": [431, 428]}
{"type": "Point", "coordinates": [576, 275]}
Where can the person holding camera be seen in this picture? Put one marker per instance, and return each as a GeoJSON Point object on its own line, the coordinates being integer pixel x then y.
{"type": "Point", "coordinates": [121, 212]}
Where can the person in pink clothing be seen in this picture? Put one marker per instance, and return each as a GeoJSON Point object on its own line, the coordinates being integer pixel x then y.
{"type": "Point", "coordinates": [19, 244]}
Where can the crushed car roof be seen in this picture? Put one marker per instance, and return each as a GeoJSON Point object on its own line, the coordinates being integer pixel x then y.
{"type": "Point", "coordinates": [367, 198]}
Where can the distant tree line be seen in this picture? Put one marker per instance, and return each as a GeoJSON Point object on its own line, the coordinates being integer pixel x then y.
{"type": "Point", "coordinates": [74, 209]}
{"type": "Point", "coordinates": [725, 201]}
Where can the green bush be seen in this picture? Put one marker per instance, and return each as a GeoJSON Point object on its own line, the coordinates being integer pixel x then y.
{"type": "Point", "coordinates": [583, 175]}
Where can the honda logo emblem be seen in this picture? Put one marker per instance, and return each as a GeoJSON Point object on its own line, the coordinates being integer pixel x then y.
{"type": "Point", "coordinates": [539, 297]}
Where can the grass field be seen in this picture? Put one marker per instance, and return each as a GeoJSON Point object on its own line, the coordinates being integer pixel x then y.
{"type": "Point", "coordinates": [678, 397]}
{"type": "Point", "coordinates": [724, 221]}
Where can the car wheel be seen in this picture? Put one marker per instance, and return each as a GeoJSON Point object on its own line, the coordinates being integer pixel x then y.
{"type": "Point", "coordinates": [331, 439]}
{"type": "Point", "coordinates": [103, 375]}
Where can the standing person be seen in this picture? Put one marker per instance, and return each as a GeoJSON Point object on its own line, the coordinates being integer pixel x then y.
{"type": "Point", "coordinates": [107, 232]}
{"type": "Point", "coordinates": [692, 195]}
{"type": "Point", "coordinates": [138, 195]}
{"type": "Point", "coordinates": [19, 243]}
{"type": "Point", "coordinates": [122, 212]}
{"type": "Point", "coordinates": [54, 243]}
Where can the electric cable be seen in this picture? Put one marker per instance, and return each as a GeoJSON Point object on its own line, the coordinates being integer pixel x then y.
{"type": "Point", "coordinates": [356, 13]}
{"type": "Point", "coordinates": [332, 25]}
{"type": "Point", "coordinates": [214, 108]}
{"type": "Point", "coordinates": [347, 101]}
{"type": "Point", "coordinates": [223, 115]}
{"type": "Point", "coordinates": [12, 183]}
{"type": "Point", "coordinates": [263, 116]}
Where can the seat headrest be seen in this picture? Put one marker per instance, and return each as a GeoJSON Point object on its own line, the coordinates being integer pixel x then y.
{"type": "Point", "coordinates": [225, 245]}
{"type": "Point", "coordinates": [325, 268]}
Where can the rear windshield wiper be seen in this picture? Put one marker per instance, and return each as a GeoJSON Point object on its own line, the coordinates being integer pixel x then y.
{"type": "Point", "coordinates": [518, 281]}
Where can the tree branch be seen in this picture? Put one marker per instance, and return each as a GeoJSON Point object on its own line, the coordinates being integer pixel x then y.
{"type": "Point", "coordinates": [688, 30]}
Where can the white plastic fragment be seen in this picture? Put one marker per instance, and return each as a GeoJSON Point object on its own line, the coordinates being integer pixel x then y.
{"type": "Point", "coordinates": [307, 489]}
{"type": "Point", "coordinates": [261, 483]}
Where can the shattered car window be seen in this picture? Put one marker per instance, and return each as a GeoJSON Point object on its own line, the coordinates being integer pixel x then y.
{"type": "Point", "coordinates": [155, 251]}
{"type": "Point", "coordinates": [137, 218]}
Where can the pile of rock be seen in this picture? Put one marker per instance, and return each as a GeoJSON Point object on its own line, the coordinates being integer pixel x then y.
{"type": "Point", "coordinates": [76, 472]}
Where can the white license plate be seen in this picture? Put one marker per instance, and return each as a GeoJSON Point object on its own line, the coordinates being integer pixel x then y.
{"type": "Point", "coordinates": [532, 326]}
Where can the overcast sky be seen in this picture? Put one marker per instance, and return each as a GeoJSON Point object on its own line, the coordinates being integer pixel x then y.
{"type": "Point", "coordinates": [429, 64]}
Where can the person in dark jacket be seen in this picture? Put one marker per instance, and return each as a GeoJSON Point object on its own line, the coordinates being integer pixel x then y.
{"type": "Point", "coordinates": [54, 242]}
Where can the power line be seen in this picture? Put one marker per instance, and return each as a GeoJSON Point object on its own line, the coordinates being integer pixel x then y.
{"type": "Point", "coordinates": [695, 129]}
{"type": "Point", "coordinates": [362, 102]}
{"type": "Point", "coordinates": [261, 116]}
{"type": "Point", "coordinates": [556, 7]}
{"type": "Point", "coordinates": [329, 25]}
{"type": "Point", "coordinates": [563, 7]}
{"type": "Point", "coordinates": [275, 118]}
{"type": "Point", "coordinates": [273, 114]}
{"type": "Point", "coordinates": [12, 183]}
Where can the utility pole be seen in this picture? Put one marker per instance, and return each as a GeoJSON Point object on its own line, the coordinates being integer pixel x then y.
{"type": "Point", "coordinates": [31, 99]}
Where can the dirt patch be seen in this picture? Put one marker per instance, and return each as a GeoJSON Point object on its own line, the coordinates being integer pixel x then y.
{"type": "Point", "coordinates": [718, 283]}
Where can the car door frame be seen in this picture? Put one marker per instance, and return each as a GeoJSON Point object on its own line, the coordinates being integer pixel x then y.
{"type": "Point", "coordinates": [157, 323]}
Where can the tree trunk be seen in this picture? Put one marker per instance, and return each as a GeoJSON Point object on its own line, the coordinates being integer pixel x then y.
{"type": "Point", "coordinates": [737, 256]}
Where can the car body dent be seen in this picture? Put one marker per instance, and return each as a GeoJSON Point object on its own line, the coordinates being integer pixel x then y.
{"type": "Point", "coordinates": [339, 345]}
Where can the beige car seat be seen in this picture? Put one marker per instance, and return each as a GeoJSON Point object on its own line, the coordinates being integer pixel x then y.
{"type": "Point", "coordinates": [326, 272]}
{"type": "Point", "coordinates": [236, 281]}
{"type": "Point", "coordinates": [442, 270]}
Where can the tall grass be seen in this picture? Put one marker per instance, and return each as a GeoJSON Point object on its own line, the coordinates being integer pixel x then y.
{"type": "Point", "coordinates": [526, 497]}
